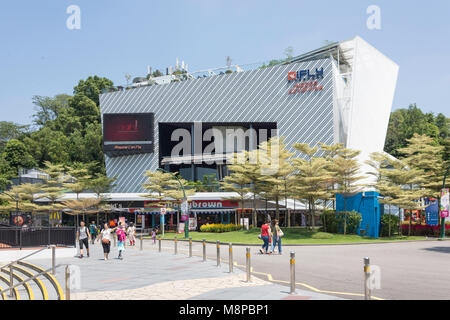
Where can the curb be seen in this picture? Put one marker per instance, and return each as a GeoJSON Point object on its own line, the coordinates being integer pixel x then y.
{"type": "Point", "coordinates": [310, 244]}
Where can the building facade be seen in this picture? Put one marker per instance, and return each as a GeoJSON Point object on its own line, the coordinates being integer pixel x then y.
{"type": "Point", "coordinates": [339, 93]}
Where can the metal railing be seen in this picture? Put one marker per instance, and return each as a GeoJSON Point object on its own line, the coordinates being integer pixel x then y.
{"type": "Point", "coordinates": [27, 256]}
{"type": "Point", "coordinates": [11, 287]}
{"type": "Point", "coordinates": [16, 237]}
{"type": "Point", "coordinates": [11, 264]}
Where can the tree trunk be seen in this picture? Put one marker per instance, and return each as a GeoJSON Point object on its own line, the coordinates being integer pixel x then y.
{"type": "Point", "coordinates": [313, 222]}
{"type": "Point", "coordinates": [278, 208]}
{"type": "Point", "coordinates": [293, 213]}
{"type": "Point", "coordinates": [410, 221]}
{"type": "Point", "coordinates": [389, 233]}
{"type": "Point", "coordinates": [345, 216]}
{"type": "Point", "coordinates": [399, 221]}
{"type": "Point", "coordinates": [255, 222]}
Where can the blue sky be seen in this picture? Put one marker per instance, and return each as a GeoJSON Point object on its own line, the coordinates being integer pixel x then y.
{"type": "Point", "coordinates": [40, 56]}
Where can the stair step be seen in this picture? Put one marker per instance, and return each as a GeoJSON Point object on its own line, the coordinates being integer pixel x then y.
{"type": "Point", "coordinates": [48, 276]}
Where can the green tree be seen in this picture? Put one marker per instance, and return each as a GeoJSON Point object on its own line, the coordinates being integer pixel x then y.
{"type": "Point", "coordinates": [346, 170]}
{"type": "Point", "coordinates": [311, 177]}
{"type": "Point", "coordinates": [275, 170]}
{"type": "Point", "coordinates": [78, 179]}
{"type": "Point", "coordinates": [48, 109]}
{"type": "Point", "coordinates": [92, 87]}
{"type": "Point", "coordinates": [17, 156]}
{"type": "Point", "coordinates": [237, 181]}
{"type": "Point", "coordinates": [329, 153]}
{"type": "Point", "coordinates": [403, 123]}
{"type": "Point", "coordinates": [10, 130]}
{"type": "Point", "coordinates": [423, 153]}
{"type": "Point", "coordinates": [101, 185]}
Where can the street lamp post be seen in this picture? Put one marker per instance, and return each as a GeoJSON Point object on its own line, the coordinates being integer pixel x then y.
{"type": "Point", "coordinates": [186, 227]}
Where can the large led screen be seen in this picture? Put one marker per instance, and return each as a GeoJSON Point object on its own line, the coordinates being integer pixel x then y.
{"type": "Point", "coordinates": [128, 133]}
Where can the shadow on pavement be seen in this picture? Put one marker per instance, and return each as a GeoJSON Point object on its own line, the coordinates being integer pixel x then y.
{"type": "Point", "coordinates": [439, 249]}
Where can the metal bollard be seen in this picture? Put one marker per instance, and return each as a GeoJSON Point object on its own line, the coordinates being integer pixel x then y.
{"type": "Point", "coordinates": [366, 278]}
{"type": "Point", "coordinates": [218, 253]}
{"type": "Point", "coordinates": [159, 244]}
{"type": "Point", "coordinates": [230, 257]}
{"type": "Point", "coordinates": [141, 243]}
{"type": "Point", "coordinates": [67, 283]}
{"type": "Point", "coordinates": [292, 264]}
{"type": "Point", "coordinates": [204, 250]}
{"type": "Point", "coordinates": [247, 255]}
{"type": "Point", "coordinates": [190, 247]}
{"type": "Point", "coordinates": [11, 281]}
{"type": "Point", "coordinates": [175, 244]}
{"type": "Point", "coordinates": [53, 259]}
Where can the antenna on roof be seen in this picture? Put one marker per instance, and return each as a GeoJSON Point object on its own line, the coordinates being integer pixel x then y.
{"type": "Point", "coordinates": [228, 61]}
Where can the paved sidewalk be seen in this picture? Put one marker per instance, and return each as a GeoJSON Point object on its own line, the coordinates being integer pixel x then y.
{"type": "Point", "coordinates": [151, 275]}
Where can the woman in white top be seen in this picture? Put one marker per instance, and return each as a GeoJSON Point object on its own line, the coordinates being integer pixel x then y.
{"type": "Point", "coordinates": [131, 231]}
{"type": "Point", "coordinates": [106, 236]}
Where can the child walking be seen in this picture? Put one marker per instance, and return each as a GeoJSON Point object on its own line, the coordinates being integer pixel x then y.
{"type": "Point", "coordinates": [121, 237]}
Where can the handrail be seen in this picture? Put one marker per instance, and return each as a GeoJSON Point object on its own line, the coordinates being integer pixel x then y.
{"type": "Point", "coordinates": [31, 278]}
{"type": "Point", "coordinates": [7, 265]}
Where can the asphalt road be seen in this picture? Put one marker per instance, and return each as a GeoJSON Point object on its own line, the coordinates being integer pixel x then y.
{"type": "Point", "coordinates": [409, 270]}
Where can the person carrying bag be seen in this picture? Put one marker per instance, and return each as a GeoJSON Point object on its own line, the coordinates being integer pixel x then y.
{"type": "Point", "coordinates": [278, 233]}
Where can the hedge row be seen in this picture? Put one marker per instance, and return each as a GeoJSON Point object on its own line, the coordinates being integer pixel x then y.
{"type": "Point", "coordinates": [219, 228]}
{"type": "Point", "coordinates": [425, 230]}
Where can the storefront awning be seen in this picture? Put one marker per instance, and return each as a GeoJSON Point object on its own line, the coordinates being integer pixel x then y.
{"type": "Point", "coordinates": [218, 211]}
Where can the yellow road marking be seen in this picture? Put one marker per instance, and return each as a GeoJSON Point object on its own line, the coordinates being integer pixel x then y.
{"type": "Point", "coordinates": [270, 278]}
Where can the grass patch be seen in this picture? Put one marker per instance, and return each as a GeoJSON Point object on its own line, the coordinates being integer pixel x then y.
{"type": "Point", "coordinates": [291, 236]}
{"type": "Point", "coordinates": [322, 235]}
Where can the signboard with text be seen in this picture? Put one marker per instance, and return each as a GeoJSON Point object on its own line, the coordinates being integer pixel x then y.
{"type": "Point", "coordinates": [445, 203]}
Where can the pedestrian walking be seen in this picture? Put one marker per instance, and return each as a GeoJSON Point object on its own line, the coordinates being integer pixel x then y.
{"type": "Point", "coordinates": [265, 234]}
{"type": "Point", "coordinates": [131, 231]}
{"type": "Point", "coordinates": [277, 234]}
{"type": "Point", "coordinates": [154, 236]}
{"type": "Point", "coordinates": [93, 231]}
{"type": "Point", "coordinates": [121, 237]}
{"type": "Point", "coordinates": [83, 237]}
{"type": "Point", "coordinates": [106, 237]}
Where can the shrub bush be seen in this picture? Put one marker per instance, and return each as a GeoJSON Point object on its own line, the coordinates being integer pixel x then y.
{"type": "Point", "coordinates": [333, 222]}
{"type": "Point", "coordinates": [384, 231]}
{"type": "Point", "coordinates": [329, 222]}
{"type": "Point", "coordinates": [219, 228]}
{"type": "Point", "coordinates": [322, 235]}
{"type": "Point", "coordinates": [424, 230]}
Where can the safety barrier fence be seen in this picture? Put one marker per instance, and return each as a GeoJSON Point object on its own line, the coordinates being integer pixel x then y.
{"type": "Point", "coordinates": [248, 269]}
{"type": "Point", "coordinates": [15, 237]}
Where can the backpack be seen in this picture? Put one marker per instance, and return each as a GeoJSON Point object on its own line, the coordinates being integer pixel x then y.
{"type": "Point", "coordinates": [121, 235]}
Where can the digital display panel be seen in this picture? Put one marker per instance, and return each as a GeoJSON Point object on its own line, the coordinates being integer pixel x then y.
{"type": "Point", "coordinates": [128, 133]}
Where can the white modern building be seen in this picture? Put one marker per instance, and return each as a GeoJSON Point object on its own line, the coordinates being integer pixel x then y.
{"type": "Point", "coordinates": [342, 92]}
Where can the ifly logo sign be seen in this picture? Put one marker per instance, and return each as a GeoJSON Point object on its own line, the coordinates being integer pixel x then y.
{"type": "Point", "coordinates": [305, 75]}
{"type": "Point", "coordinates": [305, 81]}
